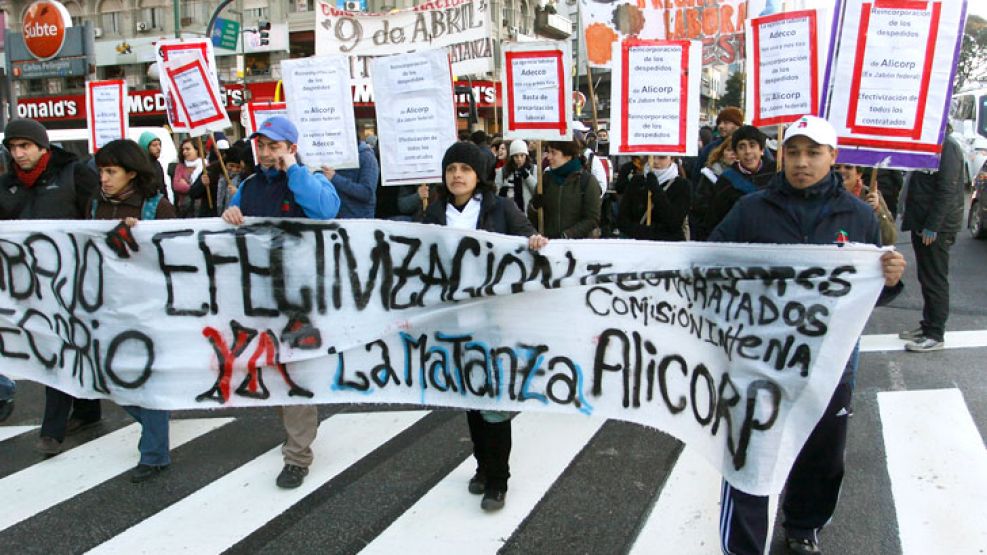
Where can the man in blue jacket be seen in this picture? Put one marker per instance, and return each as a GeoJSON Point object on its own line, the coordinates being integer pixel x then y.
{"type": "Point", "coordinates": [280, 187]}
{"type": "Point", "coordinates": [357, 187]}
{"type": "Point", "coordinates": [805, 204]}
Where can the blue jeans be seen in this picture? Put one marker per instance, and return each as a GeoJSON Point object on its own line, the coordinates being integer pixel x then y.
{"type": "Point", "coordinates": [153, 444]}
{"type": "Point", "coordinates": [7, 388]}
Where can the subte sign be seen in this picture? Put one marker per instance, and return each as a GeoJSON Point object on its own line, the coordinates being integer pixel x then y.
{"type": "Point", "coordinates": [45, 22]}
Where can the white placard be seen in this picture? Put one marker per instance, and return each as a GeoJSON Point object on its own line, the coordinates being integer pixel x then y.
{"type": "Point", "coordinates": [416, 115]}
{"type": "Point", "coordinates": [783, 67]}
{"type": "Point", "coordinates": [655, 97]}
{"type": "Point", "coordinates": [172, 51]}
{"type": "Point", "coordinates": [320, 104]}
{"type": "Point", "coordinates": [106, 117]}
{"type": "Point", "coordinates": [196, 96]}
{"type": "Point", "coordinates": [890, 78]}
{"type": "Point", "coordinates": [536, 84]}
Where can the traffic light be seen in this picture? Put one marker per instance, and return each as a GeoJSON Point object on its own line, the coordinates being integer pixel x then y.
{"type": "Point", "coordinates": [264, 27]}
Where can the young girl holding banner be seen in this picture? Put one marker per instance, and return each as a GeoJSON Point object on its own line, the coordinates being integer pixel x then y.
{"type": "Point", "coordinates": [466, 201]}
{"type": "Point", "coordinates": [129, 192]}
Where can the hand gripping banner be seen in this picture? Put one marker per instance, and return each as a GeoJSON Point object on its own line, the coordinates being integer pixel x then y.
{"type": "Point", "coordinates": [734, 349]}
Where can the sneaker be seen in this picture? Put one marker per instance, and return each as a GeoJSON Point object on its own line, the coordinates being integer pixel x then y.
{"type": "Point", "coordinates": [911, 334]}
{"type": "Point", "coordinates": [803, 546]}
{"type": "Point", "coordinates": [493, 499]}
{"type": "Point", "coordinates": [478, 483]}
{"type": "Point", "coordinates": [48, 446]}
{"type": "Point", "coordinates": [924, 345]}
{"type": "Point", "coordinates": [291, 476]}
{"type": "Point", "coordinates": [144, 472]}
{"type": "Point", "coordinates": [76, 425]}
{"type": "Point", "coordinates": [6, 407]}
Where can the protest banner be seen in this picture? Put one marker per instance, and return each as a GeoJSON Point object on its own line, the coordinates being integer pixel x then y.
{"type": "Point", "coordinates": [462, 27]}
{"type": "Point", "coordinates": [654, 105]}
{"type": "Point", "coordinates": [734, 349]}
{"type": "Point", "coordinates": [416, 116]}
{"type": "Point", "coordinates": [889, 79]}
{"type": "Point", "coordinates": [320, 104]}
{"type": "Point", "coordinates": [718, 24]}
{"type": "Point", "coordinates": [257, 113]}
{"type": "Point", "coordinates": [196, 95]}
{"type": "Point", "coordinates": [536, 82]}
{"type": "Point", "coordinates": [172, 51]}
{"type": "Point", "coordinates": [106, 118]}
{"type": "Point", "coordinates": [783, 67]}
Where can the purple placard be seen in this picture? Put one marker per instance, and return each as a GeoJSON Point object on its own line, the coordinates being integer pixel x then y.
{"type": "Point", "coordinates": [865, 156]}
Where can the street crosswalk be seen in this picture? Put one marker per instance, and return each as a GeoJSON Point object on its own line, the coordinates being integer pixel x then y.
{"type": "Point", "coordinates": [936, 462]}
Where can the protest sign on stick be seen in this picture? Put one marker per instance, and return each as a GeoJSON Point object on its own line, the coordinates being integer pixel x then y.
{"type": "Point", "coordinates": [196, 96]}
{"type": "Point", "coordinates": [320, 104]}
{"type": "Point", "coordinates": [416, 115]}
{"type": "Point", "coordinates": [536, 85]}
{"type": "Point", "coordinates": [171, 51]}
{"type": "Point", "coordinates": [257, 113]}
{"type": "Point", "coordinates": [106, 116]}
{"type": "Point", "coordinates": [889, 79]}
{"type": "Point", "coordinates": [783, 67]}
{"type": "Point", "coordinates": [654, 106]}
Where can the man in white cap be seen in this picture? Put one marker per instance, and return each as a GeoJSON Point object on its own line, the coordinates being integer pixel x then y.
{"type": "Point", "coordinates": [806, 203]}
{"type": "Point", "coordinates": [584, 136]}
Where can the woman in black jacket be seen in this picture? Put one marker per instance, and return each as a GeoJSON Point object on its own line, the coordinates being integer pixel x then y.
{"type": "Point", "coordinates": [466, 201]}
{"type": "Point", "coordinates": [669, 203]}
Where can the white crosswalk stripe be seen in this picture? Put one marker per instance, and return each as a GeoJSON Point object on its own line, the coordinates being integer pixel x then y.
{"type": "Point", "coordinates": [249, 492]}
{"type": "Point", "coordinates": [7, 432]}
{"type": "Point", "coordinates": [938, 468]}
{"type": "Point", "coordinates": [59, 478]}
{"type": "Point", "coordinates": [543, 444]}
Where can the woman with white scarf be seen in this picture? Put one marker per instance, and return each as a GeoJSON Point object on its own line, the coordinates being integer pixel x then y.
{"type": "Point", "coordinates": [669, 203]}
{"type": "Point", "coordinates": [186, 172]}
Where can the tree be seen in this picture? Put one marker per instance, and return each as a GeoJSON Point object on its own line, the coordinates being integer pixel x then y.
{"type": "Point", "coordinates": [972, 65]}
{"type": "Point", "coordinates": [735, 91]}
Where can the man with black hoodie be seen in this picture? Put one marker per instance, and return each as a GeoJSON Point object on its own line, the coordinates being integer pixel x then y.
{"type": "Point", "coordinates": [47, 183]}
{"type": "Point", "coordinates": [806, 203]}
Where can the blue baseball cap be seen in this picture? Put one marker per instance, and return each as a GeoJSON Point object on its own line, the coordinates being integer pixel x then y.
{"type": "Point", "coordinates": [277, 128]}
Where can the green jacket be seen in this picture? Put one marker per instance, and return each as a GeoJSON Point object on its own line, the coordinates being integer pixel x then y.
{"type": "Point", "coordinates": [571, 210]}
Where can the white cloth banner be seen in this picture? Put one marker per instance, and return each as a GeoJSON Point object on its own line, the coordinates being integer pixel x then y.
{"type": "Point", "coordinates": [416, 116]}
{"type": "Point", "coordinates": [105, 115]}
{"type": "Point", "coordinates": [536, 82]}
{"type": "Point", "coordinates": [734, 349]}
{"type": "Point", "coordinates": [462, 27]}
{"type": "Point", "coordinates": [890, 79]}
{"type": "Point", "coordinates": [320, 103]}
{"type": "Point", "coordinates": [655, 103]}
{"type": "Point", "coordinates": [783, 81]}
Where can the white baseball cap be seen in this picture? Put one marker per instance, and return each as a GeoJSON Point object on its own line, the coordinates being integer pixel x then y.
{"type": "Point", "coordinates": [814, 128]}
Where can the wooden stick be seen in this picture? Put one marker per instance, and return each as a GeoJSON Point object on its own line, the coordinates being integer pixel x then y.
{"type": "Point", "coordinates": [592, 95]}
{"type": "Point", "coordinates": [540, 188]}
{"type": "Point", "coordinates": [208, 193]}
{"type": "Point", "coordinates": [781, 131]}
{"type": "Point", "coordinates": [873, 179]}
{"type": "Point", "coordinates": [647, 209]}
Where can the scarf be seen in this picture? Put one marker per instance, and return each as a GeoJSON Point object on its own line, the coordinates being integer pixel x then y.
{"type": "Point", "coordinates": [560, 173]}
{"type": "Point", "coordinates": [667, 175]}
{"type": "Point", "coordinates": [30, 177]}
{"type": "Point", "coordinates": [468, 217]}
{"type": "Point", "coordinates": [119, 197]}
{"type": "Point", "coordinates": [196, 166]}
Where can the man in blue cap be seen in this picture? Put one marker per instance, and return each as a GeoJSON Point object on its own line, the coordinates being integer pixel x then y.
{"type": "Point", "coordinates": [280, 187]}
